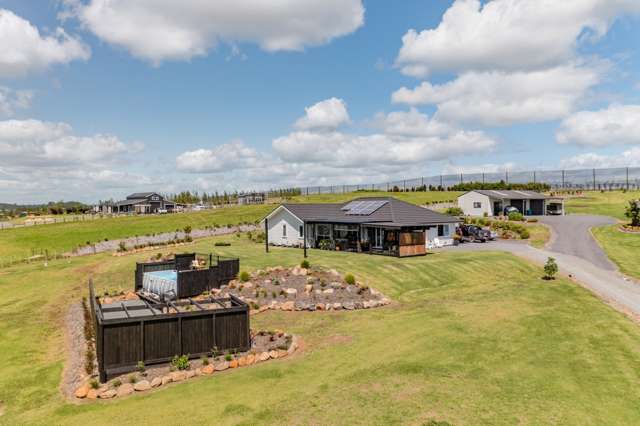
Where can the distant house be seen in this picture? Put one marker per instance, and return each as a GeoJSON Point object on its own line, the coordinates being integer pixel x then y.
{"type": "Point", "coordinates": [141, 203]}
{"type": "Point", "coordinates": [493, 202]}
{"type": "Point", "coordinates": [377, 225]}
{"type": "Point", "coordinates": [252, 198]}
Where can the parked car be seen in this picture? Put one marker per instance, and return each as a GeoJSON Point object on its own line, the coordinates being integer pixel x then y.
{"type": "Point", "coordinates": [474, 233]}
{"type": "Point", "coordinates": [510, 209]}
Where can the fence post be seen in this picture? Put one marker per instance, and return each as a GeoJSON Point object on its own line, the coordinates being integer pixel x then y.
{"type": "Point", "coordinates": [563, 180]}
{"type": "Point", "coordinates": [506, 176]}
{"type": "Point", "coordinates": [627, 178]}
{"type": "Point", "coordinates": [441, 181]}
{"type": "Point", "coordinates": [534, 177]}
{"type": "Point", "coordinates": [594, 179]}
{"type": "Point", "coordinates": [483, 178]}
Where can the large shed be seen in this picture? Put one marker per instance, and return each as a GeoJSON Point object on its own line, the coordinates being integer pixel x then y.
{"type": "Point", "coordinates": [485, 202]}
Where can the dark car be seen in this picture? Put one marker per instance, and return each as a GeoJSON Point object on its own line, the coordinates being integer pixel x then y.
{"type": "Point", "coordinates": [474, 233]}
{"type": "Point", "coordinates": [510, 209]}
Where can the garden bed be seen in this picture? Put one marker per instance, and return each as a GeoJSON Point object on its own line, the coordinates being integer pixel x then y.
{"type": "Point", "coordinates": [629, 229]}
{"type": "Point", "coordinates": [302, 289]}
{"type": "Point", "coordinates": [265, 345]}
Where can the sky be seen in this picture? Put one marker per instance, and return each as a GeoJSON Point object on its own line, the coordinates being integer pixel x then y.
{"type": "Point", "coordinates": [101, 98]}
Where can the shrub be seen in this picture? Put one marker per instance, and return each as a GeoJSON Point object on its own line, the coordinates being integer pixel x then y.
{"type": "Point", "coordinates": [180, 362]}
{"type": "Point", "coordinates": [93, 383]}
{"type": "Point", "coordinates": [244, 276]}
{"type": "Point", "coordinates": [205, 360]}
{"type": "Point", "coordinates": [132, 378]}
{"type": "Point", "coordinates": [116, 383]}
{"type": "Point", "coordinates": [515, 216]}
{"type": "Point", "coordinates": [305, 264]}
{"type": "Point", "coordinates": [454, 211]}
{"type": "Point", "coordinates": [633, 212]}
{"type": "Point", "coordinates": [228, 357]}
{"type": "Point", "coordinates": [221, 244]}
{"type": "Point", "coordinates": [524, 234]}
{"type": "Point", "coordinates": [350, 279]}
{"type": "Point", "coordinates": [122, 247]}
{"type": "Point", "coordinates": [187, 229]}
{"type": "Point", "coordinates": [140, 367]}
{"type": "Point", "coordinates": [550, 269]}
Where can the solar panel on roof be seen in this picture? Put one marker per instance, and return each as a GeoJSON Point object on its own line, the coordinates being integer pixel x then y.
{"type": "Point", "coordinates": [363, 208]}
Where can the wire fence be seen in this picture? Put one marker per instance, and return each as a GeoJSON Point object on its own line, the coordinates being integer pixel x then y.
{"type": "Point", "coordinates": [581, 179]}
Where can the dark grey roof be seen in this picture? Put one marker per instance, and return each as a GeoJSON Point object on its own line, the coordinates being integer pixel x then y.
{"type": "Point", "coordinates": [140, 195]}
{"type": "Point", "coordinates": [511, 194]}
{"type": "Point", "coordinates": [393, 213]}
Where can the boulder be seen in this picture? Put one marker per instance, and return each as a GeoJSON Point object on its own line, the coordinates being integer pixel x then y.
{"type": "Point", "coordinates": [334, 272]}
{"type": "Point", "coordinates": [308, 288]}
{"type": "Point", "coordinates": [348, 306]}
{"type": "Point", "coordinates": [328, 291]}
{"type": "Point", "coordinates": [157, 381]}
{"type": "Point", "coordinates": [311, 307]}
{"type": "Point", "coordinates": [178, 376]}
{"type": "Point", "coordinates": [264, 356]}
{"type": "Point", "coordinates": [291, 291]}
{"type": "Point", "coordinates": [337, 306]}
{"type": "Point", "coordinates": [108, 394]}
{"type": "Point", "coordinates": [92, 394]}
{"type": "Point", "coordinates": [125, 389]}
{"type": "Point", "coordinates": [320, 306]}
{"type": "Point", "coordinates": [221, 366]}
{"type": "Point", "coordinates": [273, 354]}
{"type": "Point", "coordinates": [288, 306]}
{"type": "Point", "coordinates": [242, 361]}
{"type": "Point", "coordinates": [208, 369]}
{"type": "Point", "coordinates": [166, 379]}
{"type": "Point", "coordinates": [82, 391]}
{"type": "Point", "coordinates": [131, 296]}
{"type": "Point", "coordinates": [189, 374]}
{"type": "Point", "coordinates": [233, 363]}
{"type": "Point", "coordinates": [142, 385]}
{"type": "Point", "coordinates": [301, 306]}
{"type": "Point", "coordinates": [251, 358]}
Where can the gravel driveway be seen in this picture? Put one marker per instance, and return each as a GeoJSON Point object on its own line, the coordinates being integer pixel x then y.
{"type": "Point", "coordinates": [578, 256]}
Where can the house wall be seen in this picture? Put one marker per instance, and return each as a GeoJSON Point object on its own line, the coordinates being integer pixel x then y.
{"type": "Point", "coordinates": [465, 202]}
{"type": "Point", "coordinates": [281, 218]}
{"type": "Point", "coordinates": [446, 239]}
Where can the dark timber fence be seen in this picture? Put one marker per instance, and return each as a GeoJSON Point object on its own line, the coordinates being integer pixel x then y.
{"type": "Point", "coordinates": [570, 179]}
{"type": "Point", "coordinates": [133, 331]}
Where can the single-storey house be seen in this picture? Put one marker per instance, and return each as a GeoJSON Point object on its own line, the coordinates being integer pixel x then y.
{"type": "Point", "coordinates": [377, 225]}
{"type": "Point", "coordinates": [139, 202]}
{"type": "Point", "coordinates": [251, 198]}
{"type": "Point", "coordinates": [481, 202]}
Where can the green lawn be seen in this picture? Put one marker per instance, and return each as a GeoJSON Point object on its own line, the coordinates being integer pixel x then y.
{"type": "Point", "coordinates": [622, 248]}
{"type": "Point", "coordinates": [539, 235]}
{"type": "Point", "coordinates": [472, 338]}
{"type": "Point", "coordinates": [609, 203]}
{"type": "Point", "coordinates": [419, 198]}
{"type": "Point", "coordinates": [64, 237]}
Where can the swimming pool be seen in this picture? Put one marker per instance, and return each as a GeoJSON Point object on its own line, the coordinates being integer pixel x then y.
{"type": "Point", "coordinates": [161, 282]}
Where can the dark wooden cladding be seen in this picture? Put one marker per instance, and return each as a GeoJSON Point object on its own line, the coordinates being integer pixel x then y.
{"type": "Point", "coordinates": [192, 282]}
{"type": "Point", "coordinates": [155, 337]}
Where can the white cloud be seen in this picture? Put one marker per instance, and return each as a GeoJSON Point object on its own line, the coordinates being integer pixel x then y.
{"type": "Point", "coordinates": [23, 49]}
{"type": "Point", "coordinates": [508, 35]}
{"type": "Point", "coordinates": [158, 31]}
{"type": "Point", "coordinates": [501, 98]}
{"type": "Point", "coordinates": [615, 125]}
{"type": "Point", "coordinates": [12, 100]}
{"type": "Point", "coordinates": [230, 156]}
{"type": "Point", "coordinates": [327, 114]}
{"type": "Point", "coordinates": [26, 143]}
{"type": "Point", "coordinates": [627, 158]}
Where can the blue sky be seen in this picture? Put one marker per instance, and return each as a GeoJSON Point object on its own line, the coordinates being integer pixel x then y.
{"type": "Point", "coordinates": [236, 97]}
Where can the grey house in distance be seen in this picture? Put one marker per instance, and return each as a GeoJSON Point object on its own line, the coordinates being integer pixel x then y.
{"type": "Point", "coordinates": [140, 203]}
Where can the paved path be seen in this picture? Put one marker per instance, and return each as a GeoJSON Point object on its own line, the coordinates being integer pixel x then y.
{"type": "Point", "coordinates": [571, 235]}
{"type": "Point", "coordinates": [578, 256]}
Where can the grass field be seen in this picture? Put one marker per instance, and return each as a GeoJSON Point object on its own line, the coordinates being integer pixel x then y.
{"type": "Point", "coordinates": [63, 237]}
{"type": "Point", "coordinates": [540, 235]}
{"type": "Point", "coordinates": [610, 203]}
{"type": "Point", "coordinates": [472, 338]}
{"type": "Point", "coordinates": [622, 248]}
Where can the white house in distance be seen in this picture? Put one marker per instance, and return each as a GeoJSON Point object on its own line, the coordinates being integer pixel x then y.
{"type": "Point", "coordinates": [481, 202]}
{"type": "Point", "coordinates": [376, 225]}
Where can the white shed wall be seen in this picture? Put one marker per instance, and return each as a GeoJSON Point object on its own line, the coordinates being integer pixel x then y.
{"type": "Point", "coordinates": [466, 203]}
{"type": "Point", "coordinates": [283, 218]}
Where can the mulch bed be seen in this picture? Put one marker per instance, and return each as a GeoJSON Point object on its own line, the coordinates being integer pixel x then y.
{"type": "Point", "coordinates": [629, 229]}
{"type": "Point", "coordinates": [300, 289]}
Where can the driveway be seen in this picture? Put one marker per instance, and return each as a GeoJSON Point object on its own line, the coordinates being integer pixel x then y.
{"type": "Point", "coordinates": [578, 256]}
{"type": "Point", "coordinates": [571, 235]}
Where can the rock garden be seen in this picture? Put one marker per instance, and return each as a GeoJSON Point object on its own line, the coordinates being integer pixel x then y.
{"type": "Point", "coordinates": [266, 345]}
{"type": "Point", "coordinates": [302, 288]}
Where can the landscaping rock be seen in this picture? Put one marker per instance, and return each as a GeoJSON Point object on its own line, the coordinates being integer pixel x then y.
{"type": "Point", "coordinates": [251, 358]}
{"type": "Point", "coordinates": [157, 381]}
{"type": "Point", "coordinates": [221, 366]}
{"type": "Point", "coordinates": [82, 391]}
{"type": "Point", "coordinates": [178, 376]}
{"type": "Point", "coordinates": [166, 379]}
{"type": "Point", "coordinates": [291, 291]}
{"type": "Point", "coordinates": [198, 371]}
{"type": "Point", "coordinates": [131, 296]}
{"type": "Point", "coordinates": [207, 369]}
{"type": "Point", "coordinates": [233, 363]}
{"type": "Point", "coordinates": [142, 385]}
{"type": "Point", "coordinates": [320, 306]}
{"type": "Point", "coordinates": [288, 306]}
{"type": "Point", "coordinates": [308, 288]}
{"type": "Point", "coordinates": [92, 394]}
{"type": "Point", "coordinates": [328, 291]}
{"type": "Point", "coordinates": [242, 361]}
{"type": "Point", "coordinates": [108, 394]}
{"type": "Point", "coordinates": [273, 354]}
{"type": "Point", "coordinates": [264, 356]}
{"type": "Point", "coordinates": [337, 306]}
{"type": "Point", "coordinates": [125, 389]}
{"type": "Point", "coordinates": [189, 374]}
{"type": "Point", "coordinates": [348, 306]}
{"type": "Point", "coordinates": [282, 353]}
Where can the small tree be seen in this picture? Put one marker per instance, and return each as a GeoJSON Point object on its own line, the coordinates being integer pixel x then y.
{"type": "Point", "coordinates": [633, 212]}
{"type": "Point", "coordinates": [550, 269]}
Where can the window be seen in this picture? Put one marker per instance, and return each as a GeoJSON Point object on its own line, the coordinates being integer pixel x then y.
{"type": "Point", "coordinates": [443, 230]}
{"type": "Point", "coordinates": [284, 230]}
{"type": "Point", "coordinates": [477, 205]}
{"type": "Point", "coordinates": [300, 231]}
